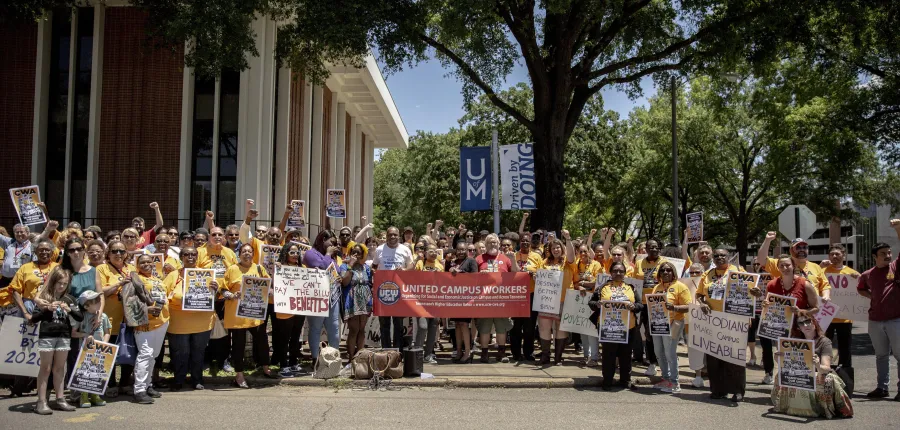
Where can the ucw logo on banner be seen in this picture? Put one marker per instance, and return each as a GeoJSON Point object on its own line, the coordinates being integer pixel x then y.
{"type": "Point", "coordinates": [475, 178]}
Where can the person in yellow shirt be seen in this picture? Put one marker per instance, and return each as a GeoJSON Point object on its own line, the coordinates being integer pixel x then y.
{"type": "Point", "coordinates": [96, 252]}
{"type": "Point", "coordinates": [188, 330]}
{"type": "Point", "coordinates": [31, 277]}
{"type": "Point", "coordinates": [521, 337]}
{"type": "Point", "coordinates": [799, 256]}
{"type": "Point", "coordinates": [678, 297]}
{"type": "Point", "coordinates": [615, 289]}
{"type": "Point", "coordinates": [562, 258]}
{"type": "Point", "coordinates": [645, 269]}
{"type": "Point", "coordinates": [840, 329]}
{"type": "Point", "coordinates": [149, 337]}
{"type": "Point", "coordinates": [586, 278]}
{"type": "Point", "coordinates": [215, 255]}
{"type": "Point", "coordinates": [239, 327]}
{"type": "Point", "coordinates": [426, 335]}
{"type": "Point", "coordinates": [161, 244]}
{"type": "Point", "coordinates": [114, 274]}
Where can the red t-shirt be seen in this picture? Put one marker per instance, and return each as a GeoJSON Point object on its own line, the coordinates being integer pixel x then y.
{"type": "Point", "coordinates": [147, 237]}
{"type": "Point", "coordinates": [776, 286]}
{"type": "Point", "coordinates": [494, 263]}
{"type": "Point", "coordinates": [879, 282]}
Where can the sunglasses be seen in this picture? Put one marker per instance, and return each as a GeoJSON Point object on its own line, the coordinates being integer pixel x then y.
{"type": "Point", "coordinates": [216, 234]}
{"type": "Point", "coordinates": [617, 271]}
{"type": "Point", "coordinates": [804, 323]}
{"type": "Point", "coordinates": [666, 270]}
{"type": "Point", "coordinates": [129, 236]}
{"type": "Point", "coordinates": [695, 273]}
{"type": "Point", "coordinates": [233, 234]}
{"type": "Point", "coordinates": [293, 253]}
{"type": "Point", "coordinates": [190, 254]}
{"type": "Point", "coordinates": [118, 251]}
{"type": "Point", "coordinates": [74, 250]}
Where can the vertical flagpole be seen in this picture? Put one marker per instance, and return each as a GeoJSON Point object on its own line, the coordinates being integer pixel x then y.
{"type": "Point", "coordinates": [495, 169]}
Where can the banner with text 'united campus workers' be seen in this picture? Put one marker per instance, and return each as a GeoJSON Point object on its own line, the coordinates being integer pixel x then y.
{"type": "Point", "coordinates": [445, 295]}
{"type": "Point", "coordinates": [475, 179]}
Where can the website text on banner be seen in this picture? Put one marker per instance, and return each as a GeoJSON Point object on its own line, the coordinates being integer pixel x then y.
{"type": "Point", "coordinates": [445, 295]}
{"type": "Point", "coordinates": [475, 179]}
{"type": "Point", "coordinates": [517, 176]}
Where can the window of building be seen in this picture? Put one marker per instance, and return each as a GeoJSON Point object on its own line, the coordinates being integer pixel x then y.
{"type": "Point", "coordinates": [57, 113]}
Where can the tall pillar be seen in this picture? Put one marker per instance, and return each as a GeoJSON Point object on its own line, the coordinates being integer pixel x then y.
{"type": "Point", "coordinates": [41, 99]}
{"type": "Point", "coordinates": [338, 155]}
{"type": "Point", "coordinates": [314, 203]}
{"type": "Point", "coordinates": [370, 178]}
{"type": "Point", "coordinates": [353, 210]}
{"type": "Point", "coordinates": [186, 154]}
{"type": "Point", "coordinates": [93, 144]}
{"type": "Point", "coordinates": [282, 139]}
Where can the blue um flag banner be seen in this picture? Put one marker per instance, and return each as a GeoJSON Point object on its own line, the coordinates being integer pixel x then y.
{"type": "Point", "coordinates": [517, 176]}
{"type": "Point", "coordinates": [475, 178]}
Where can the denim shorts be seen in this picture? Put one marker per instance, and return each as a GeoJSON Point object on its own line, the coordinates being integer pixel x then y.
{"type": "Point", "coordinates": [51, 344]}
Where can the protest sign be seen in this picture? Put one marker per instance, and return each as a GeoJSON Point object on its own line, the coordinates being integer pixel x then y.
{"type": "Point", "coordinates": [659, 315]}
{"type": "Point", "coordinates": [475, 178]}
{"type": "Point", "coordinates": [254, 300]}
{"type": "Point", "coordinates": [26, 200]}
{"type": "Point", "coordinates": [638, 286]}
{"type": "Point", "coordinates": [268, 256]}
{"type": "Point", "coordinates": [373, 333]}
{"type": "Point", "coordinates": [602, 279]}
{"type": "Point", "coordinates": [297, 218]}
{"type": "Point", "coordinates": [197, 294]}
{"type": "Point", "coordinates": [547, 291]}
{"type": "Point", "coordinates": [694, 222]}
{"type": "Point", "coordinates": [827, 311]}
{"type": "Point", "coordinates": [301, 291]}
{"type": "Point", "coordinates": [738, 300]}
{"type": "Point", "coordinates": [692, 284]}
{"type": "Point", "coordinates": [720, 335]}
{"type": "Point", "coordinates": [679, 265]}
{"type": "Point", "coordinates": [576, 314]}
{"type": "Point", "coordinates": [615, 318]}
{"type": "Point", "coordinates": [795, 364]}
{"type": "Point", "coordinates": [851, 305]}
{"type": "Point", "coordinates": [762, 284]}
{"type": "Point", "coordinates": [93, 367]}
{"type": "Point", "coordinates": [776, 320]}
{"type": "Point", "coordinates": [159, 260]}
{"type": "Point", "coordinates": [517, 177]}
{"type": "Point", "coordinates": [18, 348]}
{"type": "Point", "coordinates": [337, 203]}
{"type": "Point", "coordinates": [445, 295]}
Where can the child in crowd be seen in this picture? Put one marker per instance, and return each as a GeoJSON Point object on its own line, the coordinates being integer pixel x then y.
{"type": "Point", "coordinates": [89, 304]}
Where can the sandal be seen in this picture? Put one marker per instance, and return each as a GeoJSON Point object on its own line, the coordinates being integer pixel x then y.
{"type": "Point", "coordinates": [242, 385]}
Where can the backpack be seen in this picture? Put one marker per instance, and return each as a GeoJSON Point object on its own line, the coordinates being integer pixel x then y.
{"type": "Point", "coordinates": [328, 365]}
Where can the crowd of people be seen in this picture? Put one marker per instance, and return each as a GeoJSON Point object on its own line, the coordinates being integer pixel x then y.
{"type": "Point", "coordinates": [84, 284]}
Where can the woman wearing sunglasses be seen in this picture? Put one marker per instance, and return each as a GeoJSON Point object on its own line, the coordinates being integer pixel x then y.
{"type": "Point", "coordinates": [463, 263]}
{"type": "Point", "coordinates": [286, 330]}
{"type": "Point", "coordinates": [113, 275]}
{"type": "Point", "coordinates": [678, 297]}
{"type": "Point", "coordinates": [615, 289]}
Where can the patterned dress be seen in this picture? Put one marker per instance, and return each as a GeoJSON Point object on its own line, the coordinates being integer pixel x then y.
{"type": "Point", "coordinates": [358, 294]}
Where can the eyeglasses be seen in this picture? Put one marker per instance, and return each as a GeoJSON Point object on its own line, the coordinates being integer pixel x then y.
{"type": "Point", "coordinates": [345, 234]}
{"type": "Point", "coordinates": [118, 251]}
{"type": "Point", "coordinates": [470, 250]}
{"type": "Point", "coordinates": [261, 230]}
{"type": "Point", "coordinates": [293, 253]}
{"type": "Point", "coordinates": [233, 234]}
{"type": "Point", "coordinates": [74, 250]}
{"type": "Point", "coordinates": [695, 273]}
{"type": "Point", "coordinates": [666, 270]}
{"type": "Point", "coordinates": [216, 234]}
{"type": "Point", "coordinates": [129, 236]}
{"type": "Point", "coordinates": [617, 271]}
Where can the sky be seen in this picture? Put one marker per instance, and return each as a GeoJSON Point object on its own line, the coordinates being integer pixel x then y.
{"type": "Point", "coordinates": [430, 101]}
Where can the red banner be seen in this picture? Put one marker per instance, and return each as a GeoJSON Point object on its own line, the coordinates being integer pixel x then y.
{"type": "Point", "coordinates": [445, 295]}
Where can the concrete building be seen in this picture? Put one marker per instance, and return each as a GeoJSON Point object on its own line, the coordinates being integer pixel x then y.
{"type": "Point", "coordinates": [105, 121]}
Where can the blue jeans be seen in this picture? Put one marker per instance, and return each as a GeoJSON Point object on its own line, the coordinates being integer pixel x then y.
{"type": "Point", "coordinates": [187, 351]}
{"type": "Point", "coordinates": [591, 346]}
{"type": "Point", "coordinates": [332, 325]}
{"type": "Point", "coordinates": [885, 337]}
{"type": "Point", "coordinates": [666, 349]}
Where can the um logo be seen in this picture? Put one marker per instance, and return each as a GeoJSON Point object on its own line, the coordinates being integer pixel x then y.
{"type": "Point", "coordinates": [476, 183]}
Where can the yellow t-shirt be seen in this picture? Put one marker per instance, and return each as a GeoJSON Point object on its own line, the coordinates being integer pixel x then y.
{"type": "Point", "coordinates": [158, 290]}
{"type": "Point", "coordinates": [113, 309]}
{"type": "Point", "coordinates": [181, 321]}
{"type": "Point", "coordinates": [620, 292]}
{"type": "Point", "coordinates": [646, 271]}
{"type": "Point", "coordinates": [30, 278]}
{"type": "Point", "coordinates": [219, 260]}
{"type": "Point", "coordinates": [425, 266]}
{"type": "Point", "coordinates": [677, 294]}
{"type": "Point", "coordinates": [175, 263]}
{"type": "Point", "coordinates": [569, 273]}
{"type": "Point", "coordinates": [844, 271]}
{"type": "Point", "coordinates": [530, 263]}
{"type": "Point", "coordinates": [588, 270]}
{"type": "Point", "coordinates": [812, 272]}
{"type": "Point", "coordinates": [712, 285]}
{"type": "Point", "coordinates": [232, 283]}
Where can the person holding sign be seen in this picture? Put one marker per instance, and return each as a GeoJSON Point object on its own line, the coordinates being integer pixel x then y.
{"type": "Point", "coordinates": [880, 286]}
{"type": "Point", "coordinates": [215, 255]}
{"type": "Point", "coordinates": [149, 337]}
{"type": "Point", "coordinates": [791, 285]}
{"type": "Point", "coordinates": [356, 280]}
{"type": "Point", "coordinates": [31, 277]}
{"type": "Point", "coordinates": [829, 399]}
{"type": "Point", "coordinates": [645, 269]}
{"type": "Point", "coordinates": [189, 331]}
{"type": "Point", "coordinates": [561, 258]}
{"type": "Point", "coordinates": [324, 252]}
{"type": "Point", "coordinates": [799, 253]}
{"type": "Point", "coordinates": [239, 327]}
{"type": "Point", "coordinates": [114, 274]}
{"type": "Point", "coordinates": [678, 297]}
{"type": "Point", "coordinates": [286, 348]}
{"type": "Point", "coordinates": [617, 290]}
{"type": "Point", "coordinates": [587, 271]}
{"type": "Point", "coordinates": [521, 337]}
{"type": "Point", "coordinates": [54, 337]}
{"type": "Point", "coordinates": [840, 329]}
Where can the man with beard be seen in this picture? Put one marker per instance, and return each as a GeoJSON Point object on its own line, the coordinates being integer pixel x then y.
{"type": "Point", "coordinates": [148, 236]}
{"type": "Point", "coordinates": [494, 261]}
{"type": "Point", "coordinates": [799, 256]}
{"type": "Point", "coordinates": [392, 255]}
{"type": "Point", "coordinates": [523, 328]}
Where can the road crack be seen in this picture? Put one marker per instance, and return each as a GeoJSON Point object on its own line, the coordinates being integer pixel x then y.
{"type": "Point", "coordinates": [324, 415]}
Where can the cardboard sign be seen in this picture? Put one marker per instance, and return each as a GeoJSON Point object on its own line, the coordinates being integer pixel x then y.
{"type": "Point", "coordinates": [337, 203]}
{"type": "Point", "coordinates": [795, 365]}
{"type": "Point", "coordinates": [301, 291]}
{"type": "Point", "coordinates": [615, 319]}
{"type": "Point", "coordinates": [638, 285]}
{"type": "Point", "coordinates": [827, 311]}
{"type": "Point", "coordinates": [268, 256]}
{"type": "Point", "coordinates": [547, 291]}
{"type": "Point", "coordinates": [576, 314]}
{"type": "Point", "coordinates": [776, 320]}
{"type": "Point", "coordinates": [297, 218]}
{"type": "Point", "coordinates": [93, 367]}
{"type": "Point", "coordinates": [738, 300]}
{"type": "Point", "coordinates": [720, 335]}
{"type": "Point", "coordinates": [850, 304]}
{"type": "Point", "coordinates": [679, 265]}
{"type": "Point", "coordinates": [602, 279]}
{"type": "Point", "coordinates": [659, 315]}
{"type": "Point", "coordinates": [254, 300]}
{"type": "Point", "coordinates": [197, 293]}
{"type": "Point", "coordinates": [694, 222]}
{"type": "Point", "coordinates": [26, 200]}
{"type": "Point", "coordinates": [18, 348]}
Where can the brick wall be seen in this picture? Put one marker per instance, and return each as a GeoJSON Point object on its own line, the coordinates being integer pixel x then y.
{"type": "Point", "coordinates": [18, 53]}
{"type": "Point", "coordinates": [140, 123]}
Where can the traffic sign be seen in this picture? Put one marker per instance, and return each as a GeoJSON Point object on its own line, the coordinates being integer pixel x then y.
{"type": "Point", "coordinates": [797, 221]}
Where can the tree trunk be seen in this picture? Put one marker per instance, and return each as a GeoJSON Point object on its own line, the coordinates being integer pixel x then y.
{"type": "Point", "coordinates": [550, 177]}
{"type": "Point", "coordinates": [740, 243]}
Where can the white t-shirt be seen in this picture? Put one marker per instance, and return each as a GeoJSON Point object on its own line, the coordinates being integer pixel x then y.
{"type": "Point", "coordinates": [388, 258]}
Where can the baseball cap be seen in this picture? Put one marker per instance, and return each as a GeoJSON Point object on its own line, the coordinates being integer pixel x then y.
{"type": "Point", "coordinates": [408, 229]}
{"type": "Point", "coordinates": [87, 296]}
{"type": "Point", "coordinates": [798, 241]}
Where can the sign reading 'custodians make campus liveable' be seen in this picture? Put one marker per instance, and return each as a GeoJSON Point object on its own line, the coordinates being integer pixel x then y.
{"type": "Point", "coordinates": [517, 176]}
{"type": "Point", "coordinates": [475, 179]}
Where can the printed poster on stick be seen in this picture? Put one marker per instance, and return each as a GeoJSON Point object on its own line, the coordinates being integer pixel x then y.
{"type": "Point", "coordinates": [776, 319]}
{"type": "Point", "coordinates": [796, 368]}
{"type": "Point", "coordinates": [159, 260]}
{"type": "Point", "coordinates": [718, 334]}
{"type": "Point", "coordinates": [547, 291]}
{"type": "Point", "coordinates": [694, 223]}
{"type": "Point", "coordinates": [615, 319]}
{"type": "Point", "coordinates": [26, 200]}
{"type": "Point", "coordinates": [297, 218]}
{"type": "Point", "coordinates": [762, 284]}
{"type": "Point", "coordinates": [93, 367]}
{"type": "Point", "coordinates": [254, 300]}
{"type": "Point", "coordinates": [269, 255]}
{"type": "Point", "coordinates": [337, 203]}
{"type": "Point", "coordinates": [18, 348]}
{"type": "Point", "coordinates": [301, 291]}
{"type": "Point", "coordinates": [738, 300]}
{"type": "Point", "coordinates": [198, 296]}
{"type": "Point", "coordinates": [576, 314]}
{"type": "Point", "coordinates": [659, 315]}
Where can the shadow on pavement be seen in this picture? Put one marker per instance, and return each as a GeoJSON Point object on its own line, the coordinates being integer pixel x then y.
{"type": "Point", "coordinates": [861, 344]}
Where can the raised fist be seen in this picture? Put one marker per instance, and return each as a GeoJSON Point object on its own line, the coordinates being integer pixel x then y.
{"type": "Point", "coordinates": [772, 235]}
{"type": "Point", "coordinates": [154, 205]}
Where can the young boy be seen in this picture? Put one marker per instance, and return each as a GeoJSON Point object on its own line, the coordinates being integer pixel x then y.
{"type": "Point", "coordinates": [89, 301]}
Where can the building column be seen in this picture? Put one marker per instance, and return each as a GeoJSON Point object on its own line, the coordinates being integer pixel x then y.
{"type": "Point", "coordinates": [370, 177]}
{"type": "Point", "coordinates": [337, 154]}
{"type": "Point", "coordinates": [307, 148]}
{"type": "Point", "coordinates": [314, 203]}
{"type": "Point", "coordinates": [353, 186]}
{"type": "Point", "coordinates": [41, 100]}
{"type": "Point", "coordinates": [70, 117]}
{"type": "Point", "coordinates": [282, 139]}
{"type": "Point", "coordinates": [186, 154]}
{"type": "Point", "coordinates": [93, 146]}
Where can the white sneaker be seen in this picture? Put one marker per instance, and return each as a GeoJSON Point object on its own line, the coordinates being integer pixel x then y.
{"type": "Point", "coordinates": [430, 359]}
{"type": "Point", "coordinates": [698, 382]}
{"type": "Point", "coordinates": [751, 363]}
{"type": "Point", "coordinates": [675, 389]}
{"type": "Point", "coordinates": [768, 379]}
{"type": "Point", "coordinates": [651, 370]}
